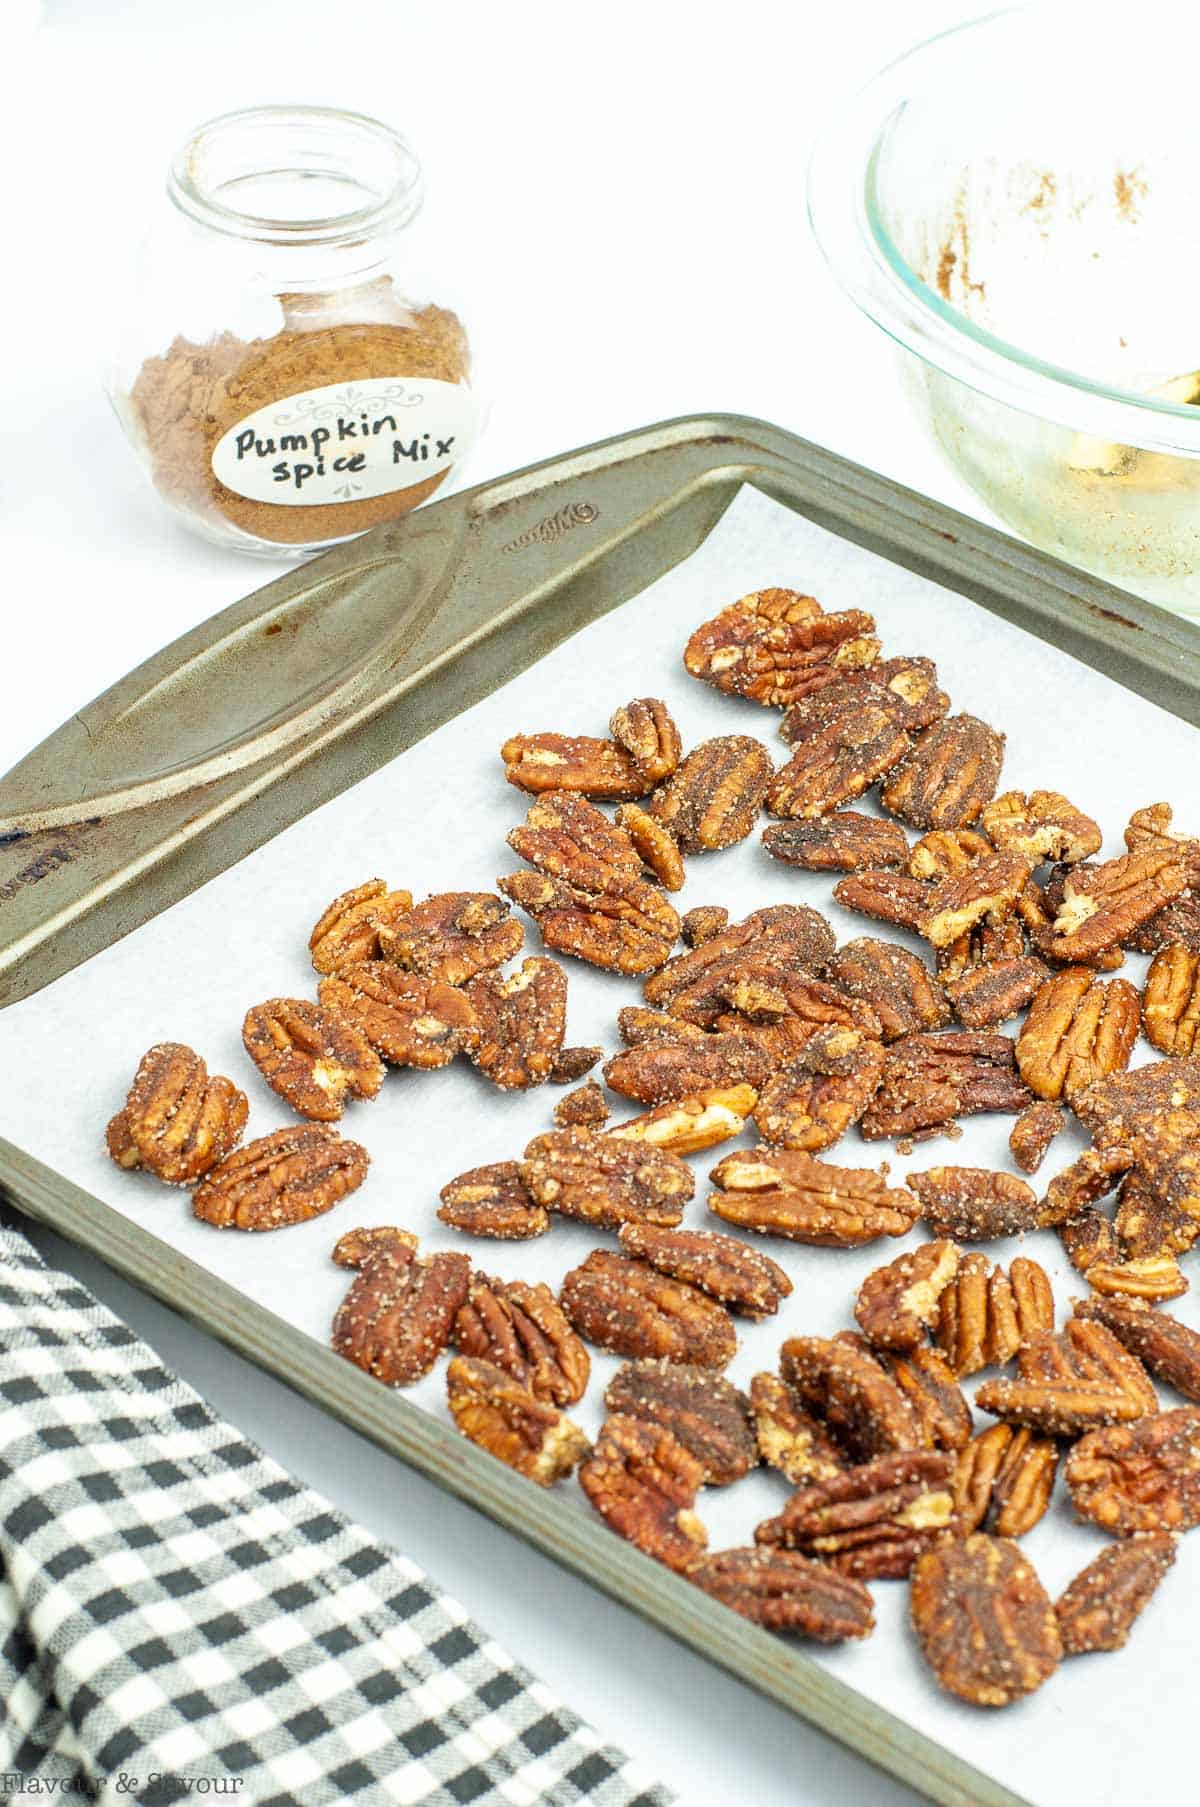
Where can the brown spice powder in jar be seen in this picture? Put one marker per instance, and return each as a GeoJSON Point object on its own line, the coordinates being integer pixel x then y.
{"type": "Point", "coordinates": [184, 402]}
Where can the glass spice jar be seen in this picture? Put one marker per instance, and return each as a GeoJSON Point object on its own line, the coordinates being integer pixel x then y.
{"type": "Point", "coordinates": [285, 370]}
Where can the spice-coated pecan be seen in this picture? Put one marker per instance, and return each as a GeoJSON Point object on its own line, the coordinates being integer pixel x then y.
{"type": "Point", "coordinates": [844, 842]}
{"type": "Point", "coordinates": [572, 762]}
{"type": "Point", "coordinates": [1149, 831]}
{"type": "Point", "coordinates": [411, 1020]}
{"type": "Point", "coordinates": [1058, 1408]}
{"type": "Point", "coordinates": [927, 1382]}
{"type": "Point", "coordinates": [349, 930]}
{"type": "Point", "coordinates": [949, 775]}
{"type": "Point", "coordinates": [947, 853]}
{"type": "Point", "coordinates": [701, 924]}
{"type": "Point", "coordinates": [1161, 1343]}
{"type": "Point", "coordinates": [1099, 1608]}
{"type": "Point", "coordinates": [1087, 1350]}
{"type": "Point", "coordinates": [521, 1022]}
{"type": "Point", "coordinates": [886, 896]}
{"type": "Point", "coordinates": [983, 1620]}
{"type": "Point", "coordinates": [905, 688]}
{"type": "Point", "coordinates": [783, 1192]}
{"type": "Point", "coordinates": [584, 1108]}
{"type": "Point", "coordinates": [986, 892]}
{"type": "Point", "coordinates": [646, 730]}
{"type": "Point", "coordinates": [1003, 1481]}
{"type": "Point", "coordinates": [524, 1330]}
{"type": "Point", "coordinates": [987, 944]}
{"type": "Point", "coordinates": [312, 1057]}
{"type": "Point", "coordinates": [973, 1204]}
{"type": "Point", "coordinates": [604, 1181]}
{"type": "Point", "coordinates": [452, 936]}
{"type": "Point", "coordinates": [1079, 1029]}
{"type": "Point", "coordinates": [852, 1392]}
{"type": "Point", "coordinates": [790, 1437]}
{"type": "Point", "coordinates": [282, 1178]}
{"type": "Point", "coordinates": [766, 644]}
{"type": "Point", "coordinates": [1033, 1297]}
{"type": "Point", "coordinates": [1151, 1277]}
{"type": "Point", "coordinates": [643, 1483]}
{"type": "Point", "coordinates": [896, 1304]}
{"type": "Point", "coordinates": [494, 1410]}
{"type": "Point", "coordinates": [354, 1248]}
{"type": "Point", "coordinates": [1033, 1132]}
{"type": "Point", "coordinates": [397, 1317]}
{"type": "Point", "coordinates": [726, 1268]}
{"type": "Point", "coordinates": [570, 1064]}
{"type": "Point", "coordinates": [1102, 906]}
{"type": "Point", "coordinates": [687, 1125]}
{"type": "Point", "coordinates": [1171, 1000]}
{"type": "Point", "coordinates": [656, 846]}
{"type": "Point", "coordinates": [704, 1412]}
{"type": "Point", "coordinates": [1043, 825]}
{"type": "Point", "coordinates": [786, 938]}
{"type": "Point", "coordinates": [1148, 1224]}
{"type": "Point", "coordinates": [1088, 1237]}
{"type": "Point", "coordinates": [1036, 911]}
{"type": "Point", "coordinates": [837, 765]}
{"type": "Point", "coordinates": [588, 893]}
{"type": "Point", "coordinates": [897, 986]}
{"type": "Point", "coordinates": [176, 1122]}
{"type": "Point", "coordinates": [1176, 923]}
{"type": "Point", "coordinates": [629, 1307]}
{"type": "Point", "coordinates": [812, 1101]}
{"type": "Point", "coordinates": [492, 1201]}
{"type": "Point", "coordinates": [990, 993]}
{"type": "Point", "coordinates": [931, 1078]}
{"type": "Point", "coordinates": [977, 1323]}
{"type": "Point", "coordinates": [1134, 1478]}
{"type": "Point", "coordinates": [683, 1061]}
{"type": "Point", "coordinates": [1093, 1175]}
{"type": "Point", "coordinates": [786, 1592]}
{"type": "Point", "coordinates": [1127, 1106]}
{"type": "Point", "coordinates": [711, 801]}
{"type": "Point", "coordinates": [873, 1521]}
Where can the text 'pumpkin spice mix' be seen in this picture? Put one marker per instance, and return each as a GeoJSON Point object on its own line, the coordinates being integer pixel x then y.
{"type": "Point", "coordinates": [324, 396]}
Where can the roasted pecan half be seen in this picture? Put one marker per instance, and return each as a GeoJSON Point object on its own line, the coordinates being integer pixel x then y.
{"type": "Point", "coordinates": [629, 1307]}
{"type": "Point", "coordinates": [1164, 1345]}
{"type": "Point", "coordinates": [1171, 1000]}
{"type": "Point", "coordinates": [712, 800]}
{"type": "Point", "coordinates": [786, 1592]}
{"type": "Point", "coordinates": [176, 1122]}
{"type": "Point", "coordinates": [1033, 1297]}
{"type": "Point", "coordinates": [452, 936]}
{"type": "Point", "coordinates": [704, 1412]}
{"type": "Point", "coordinates": [1042, 825]}
{"type": "Point", "coordinates": [1088, 1351]}
{"type": "Point", "coordinates": [1100, 1607]}
{"type": "Point", "coordinates": [354, 1248]}
{"type": "Point", "coordinates": [873, 1521]}
{"type": "Point", "coordinates": [986, 892]}
{"type": "Point", "coordinates": [397, 1317]}
{"type": "Point", "coordinates": [494, 1410]}
{"type": "Point", "coordinates": [687, 1125]}
{"type": "Point", "coordinates": [837, 765]}
{"type": "Point", "coordinates": [785, 938]}
{"type": "Point", "coordinates": [643, 1483]}
{"type": "Point", "coordinates": [1149, 831]}
{"type": "Point", "coordinates": [604, 1181]}
{"type": "Point", "coordinates": [906, 688]}
{"type": "Point", "coordinates": [1060, 1395]}
{"type": "Point", "coordinates": [783, 1192]}
{"type": "Point", "coordinates": [767, 644]}
{"type": "Point", "coordinates": [701, 924]}
{"type": "Point", "coordinates": [521, 1023]}
{"type": "Point", "coordinates": [570, 1064]}
{"type": "Point", "coordinates": [790, 1437]}
{"type": "Point", "coordinates": [282, 1178]}
{"type": "Point", "coordinates": [1148, 1224]}
{"type": "Point", "coordinates": [950, 774]}
{"type": "Point", "coordinates": [927, 1382]}
{"type": "Point", "coordinates": [931, 1078]}
{"type": "Point", "coordinates": [523, 1330]}
{"type": "Point", "coordinates": [990, 993]}
{"type": "Point", "coordinates": [656, 846]}
{"type": "Point", "coordinates": [412, 1021]}
{"type": "Point", "coordinates": [1093, 1175]}
{"type": "Point", "coordinates": [1003, 1481]}
{"type": "Point", "coordinates": [682, 1061]}
{"type": "Point", "coordinates": [348, 932]}
{"type": "Point", "coordinates": [852, 1392]}
{"type": "Point", "coordinates": [845, 842]}
{"type": "Point", "coordinates": [646, 730]}
{"type": "Point", "coordinates": [1079, 1029]}
{"type": "Point", "coordinates": [947, 853]}
{"type": "Point", "coordinates": [885, 896]}
{"type": "Point", "coordinates": [812, 1101]}
{"type": "Point", "coordinates": [742, 1278]}
{"type": "Point", "coordinates": [985, 945]}
{"type": "Point", "coordinates": [572, 762]}
{"type": "Point", "coordinates": [1177, 923]}
{"type": "Point", "coordinates": [493, 1201]}
{"type": "Point", "coordinates": [973, 1204]}
{"type": "Point", "coordinates": [312, 1057]}
{"type": "Point", "coordinates": [897, 986]}
{"type": "Point", "coordinates": [1088, 1237]}
{"type": "Point", "coordinates": [1102, 906]}
{"type": "Point", "coordinates": [1036, 911]}
{"type": "Point", "coordinates": [977, 1323]}
{"type": "Point", "coordinates": [1152, 1277]}
{"type": "Point", "coordinates": [983, 1620]}
{"type": "Point", "coordinates": [1033, 1132]}
{"type": "Point", "coordinates": [896, 1304]}
{"type": "Point", "coordinates": [584, 1108]}
{"type": "Point", "coordinates": [1136, 1478]}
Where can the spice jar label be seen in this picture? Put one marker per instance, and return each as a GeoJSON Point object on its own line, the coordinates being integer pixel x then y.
{"type": "Point", "coordinates": [347, 441]}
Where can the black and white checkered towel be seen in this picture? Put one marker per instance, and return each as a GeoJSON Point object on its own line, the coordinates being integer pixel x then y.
{"type": "Point", "coordinates": [180, 1619]}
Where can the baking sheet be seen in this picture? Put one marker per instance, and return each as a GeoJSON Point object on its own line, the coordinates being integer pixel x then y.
{"type": "Point", "coordinates": [1104, 1729]}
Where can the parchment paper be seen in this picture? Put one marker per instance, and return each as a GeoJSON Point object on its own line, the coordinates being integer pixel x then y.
{"type": "Point", "coordinates": [1106, 1729]}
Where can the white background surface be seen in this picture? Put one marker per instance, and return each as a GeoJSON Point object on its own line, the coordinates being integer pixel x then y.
{"type": "Point", "coordinates": [623, 187]}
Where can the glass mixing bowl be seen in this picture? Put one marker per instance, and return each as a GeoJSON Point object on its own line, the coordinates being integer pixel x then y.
{"type": "Point", "coordinates": [1015, 203]}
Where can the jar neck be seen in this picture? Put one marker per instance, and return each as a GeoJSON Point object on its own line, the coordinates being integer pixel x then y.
{"type": "Point", "coordinates": [298, 177]}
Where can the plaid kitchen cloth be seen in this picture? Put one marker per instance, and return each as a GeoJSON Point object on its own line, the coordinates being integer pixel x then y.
{"type": "Point", "coordinates": [180, 1619]}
